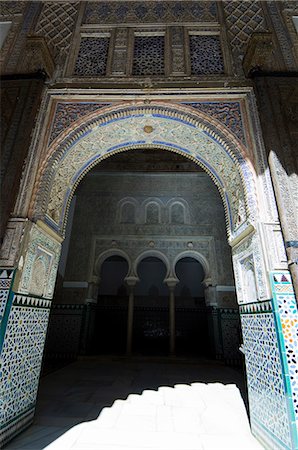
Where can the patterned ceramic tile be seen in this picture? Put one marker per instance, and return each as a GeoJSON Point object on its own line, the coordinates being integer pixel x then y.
{"type": "Point", "coordinates": [266, 387]}
{"type": "Point", "coordinates": [230, 335]}
{"type": "Point", "coordinates": [285, 308]}
{"type": "Point", "coordinates": [22, 355]}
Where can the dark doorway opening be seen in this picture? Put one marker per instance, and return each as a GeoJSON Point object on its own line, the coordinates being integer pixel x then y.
{"type": "Point", "coordinates": [192, 331]}
{"type": "Point", "coordinates": [151, 314]}
{"type": "Point", "coordinates": [111, 310]}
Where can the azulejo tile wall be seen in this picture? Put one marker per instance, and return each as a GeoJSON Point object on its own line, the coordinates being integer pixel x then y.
{"type": "Point", "coordinates": [266, 389]}
{"type": "Point", "coordinates": [21, 358]}
{"type": "Point", "coordinates": [285, 309]}
{"type": "Point", "coordinates": [270, 334]}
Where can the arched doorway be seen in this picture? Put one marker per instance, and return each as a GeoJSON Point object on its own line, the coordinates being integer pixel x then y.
{"type": "Point", "coordinates": [249, 208]}
{"type": "Point", "coordinates": [151, 321]}
{"type": "Point", "coordinates": [110, 328]}
{"type": "Point", "coordinates": [192, 333]}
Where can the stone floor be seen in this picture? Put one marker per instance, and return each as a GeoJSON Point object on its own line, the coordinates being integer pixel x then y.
{"type": "Point", "coordinates": [141, 404]}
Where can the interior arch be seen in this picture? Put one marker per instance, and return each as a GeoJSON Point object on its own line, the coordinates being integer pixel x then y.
{"type": "Point", "coordinates": [218, 153]}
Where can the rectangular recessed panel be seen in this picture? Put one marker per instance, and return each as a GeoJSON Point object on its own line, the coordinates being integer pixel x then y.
{"type": "Point", "coordinates": [148, 55]}
{"type": "Point", "coordinates": [205, 55]}
{"type": "Point", "coordinates": [92, 57]}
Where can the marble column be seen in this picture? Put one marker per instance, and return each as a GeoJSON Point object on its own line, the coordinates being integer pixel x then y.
{"type": "Point", "coordinates": [171, 283]}
{"type": "Point", "coordinates": [131, 282]}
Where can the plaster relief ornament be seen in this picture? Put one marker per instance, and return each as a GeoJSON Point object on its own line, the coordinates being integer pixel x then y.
{"type": "Point", "coordinates": [37, 275]}
{"type": "Point", "coordinates": [123, 130]}
{"type": "Point", "coordinates": [249, 280]}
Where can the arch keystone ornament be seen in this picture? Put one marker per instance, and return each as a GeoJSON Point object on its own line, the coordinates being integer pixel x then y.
{"type": "Point", "coordinates": [263, 285]}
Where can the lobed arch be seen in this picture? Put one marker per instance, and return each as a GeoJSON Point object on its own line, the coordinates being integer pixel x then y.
{"type": "Point", "coordinates": [198, 257]}
{"type": "Point", "coordinates": [107, 254]}
{"type": "Point", "coordinates": [168, 127]}
{"type": "Point", "coordinates": [152, 253]}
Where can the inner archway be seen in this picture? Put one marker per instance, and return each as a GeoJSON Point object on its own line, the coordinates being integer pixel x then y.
{"type": "Point", "coordinates": [110, 327]}
{"type": "Point", "coordinates": [135, 257]}
{"type": "Point", "coordinates": [192, 333]}
{"type": "Point", "coordinates": [151, 321]}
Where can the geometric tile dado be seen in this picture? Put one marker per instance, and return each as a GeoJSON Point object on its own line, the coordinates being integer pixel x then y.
{"type": "Point", "coordinates": [285, 308]}
{"type": "Point", "coordinates": [265, 383]}
{"type": "Point", "coordinates": [21, 358]}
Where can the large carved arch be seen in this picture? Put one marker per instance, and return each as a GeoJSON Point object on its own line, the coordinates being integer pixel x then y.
{"type": "Point", "coordinates": [258, 251]}
{"type": "Point", "coordinates": [126, 127]}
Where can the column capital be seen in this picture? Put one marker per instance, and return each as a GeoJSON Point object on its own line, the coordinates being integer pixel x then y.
{"type": "Point", "coordinates": [171, 282]}
{"type": "Point", "coordinates": [131, 281]}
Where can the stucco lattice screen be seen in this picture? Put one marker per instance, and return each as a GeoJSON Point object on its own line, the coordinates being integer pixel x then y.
{"type": "Point", "coordinates": [92, 56]}
{"type": "Point", "coordinates": [148, 56]}
{"type": "Point", "coordinates": [205, 55]}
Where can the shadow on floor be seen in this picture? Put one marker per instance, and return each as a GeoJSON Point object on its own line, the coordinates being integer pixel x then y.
{"type": "Point", "coordinates": [89, 387]}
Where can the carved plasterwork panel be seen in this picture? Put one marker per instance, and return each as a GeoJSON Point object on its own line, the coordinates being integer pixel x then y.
{"type": "Point", "coordinates": [177, 48]}
{"type": "Point", "coordinates": [11, 12]}
{"type": "Point", "coordinates": [22, 18]}
{"type": "Point", "coordinates": [249, 271]}
{"type": "Point", "coordinates": [38, 266]}
{"type": "Point", "coordinates": [282, 34]}
{"type": "Point", "coordinates": [12, 242]}
{"type": "Point", "coordinates": [119, 61]}
{"type": "Point", "coordinates": [56, 24]}
{"type": "Point", "coordinates": [115, 135]}
{"type": "Point", "coordinates": [37, 57]}
{"type": "Point", "coordinates": [68, 112]}
{"type": "Point", "coordinates": [229, 113]}
{"type": "Point", "coordinates": [243, 19]}
{"type": "Point", "coordinates": [149, 12]}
